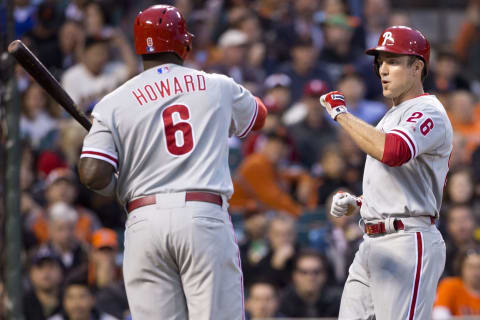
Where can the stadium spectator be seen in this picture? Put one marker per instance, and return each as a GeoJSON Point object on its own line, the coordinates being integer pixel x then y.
{"type": "Point", "coordinates": [467, 44]}
{"type": "Point", "coordinates": [459, 156]}
{"type": "Point", "coordinates": [24, 15]}
{"type": "Point", "coordinates": [476, 171]}
{"type": "Point", "coordinates": [234, 45]}
{"type": "Point", "coordinates": [277, 91]}
{"type": "Point", "coordinates": [355, 161]}
{"type": "Point", "coordinates": [312, 133]}
{"type": "Point", "coordinates": [339, 53]}
{"type": "Point", "coordinates": [249, 23]}
{"type": "Point", "coordinates": [464, 114]}
{"type": "Point", "coordinates": [330, 172]}
{"type": "Point", "coordinates": [460, 229]}
{"type": "Point", "coordinates": [303, 24]}
{"type": "Point", "coordinates": [79, 303]}
{"type": "Point", "coordinates": [343, 239]}
{"type": "Point", "coordinates": [258, 179]}
{"type": "Point", "coordinates": [460, 295]}
{"type": "Point", "coordinates": [96, 20]}
{"type": "Point", "coordinates": [70, 140]}
{"type": "Point", "coordinates": [400, 18]}
{"type": "Point", "coordinates": [254, 246]}
{"type": "Point", "coordinates": [61, 237]}
{"type": "Point", "coordinates": [43, 299]}
{"type": "Point", "coordinates": [61, 187]}
{"type": "Point", "coordinates": [311, 295]}
{"type": "Point", "coordinates": [75, 10]}
{"type": "Point", "coordinates": [270, 259]}
{"type": "Point", "coordinates": [445, 76]}
{"type": "Point", "coordinates": [353, 88]}
{"type": "Point", "coordinates": [304, 66]}
{"type": "Point", "coordinates": [105, 275]}
{"type": "Point", "coordinates": [459, 188]}
{"type": "Point", "coordinates": [38, 115]}
{"type": "Point", "coordinates": [375, 14]}
{"type": "Point", "coordinates": [70, 38]}
{"type": "Point", "coordinates": [102, 269]}
{"type": "Point", "coordinates": [43, 38]}
{"type": "Point", "coordinates": [97, 75]}
{"type": "Point", "coordinates": [262, 301]}
{"type": "Point", "coordinates": [277, 265]}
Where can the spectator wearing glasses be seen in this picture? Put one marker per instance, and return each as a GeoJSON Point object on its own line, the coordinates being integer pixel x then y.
{"type": "Point", "coordinates": [311, 295]}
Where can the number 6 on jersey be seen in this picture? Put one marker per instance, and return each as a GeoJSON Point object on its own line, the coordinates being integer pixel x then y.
{"type": "Point", "coordinates": [179, 133]}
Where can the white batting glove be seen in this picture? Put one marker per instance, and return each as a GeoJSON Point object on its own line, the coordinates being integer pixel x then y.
{"type": "Point", "coordinates": [334, 103]}
{"type": "Point", "coordinates": [344, 204]}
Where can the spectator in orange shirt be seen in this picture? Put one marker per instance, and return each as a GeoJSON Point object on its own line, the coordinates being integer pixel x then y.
{"type": "Point", "coordinates": [467, 40]}
{"type": "Point", "coordinates": [260, 183]}
{"type": "Point", "coordinates": [62, 239]}
{"type": "Point", "coordinates": [465, 117]}
{"type": "Point", "coordinates": [61, 187]}
{"type": "Point", "coordinates": [460, 296]}
{"type": "Point", "coordinates": [102, 267]}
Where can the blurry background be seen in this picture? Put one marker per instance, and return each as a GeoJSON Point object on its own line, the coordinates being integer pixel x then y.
{"type": "Point", "coordinates": [295, 256]}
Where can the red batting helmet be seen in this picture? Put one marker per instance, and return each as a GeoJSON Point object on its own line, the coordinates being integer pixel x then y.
{"type": "Point", "coordinates": [402, 40]}
{"type": "Point", "coordinates": [161, 28]}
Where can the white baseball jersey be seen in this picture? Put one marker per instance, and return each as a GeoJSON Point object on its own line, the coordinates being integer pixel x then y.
{"type": "Point", "coordinates": [166, 130]}
{"type": "Point", "coordinates": [414, 188]}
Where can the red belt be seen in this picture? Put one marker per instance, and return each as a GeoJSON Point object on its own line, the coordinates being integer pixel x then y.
{"type": "Point", "coordinates": [189, 196]}
{"type": "Point", "coordinates": [375, 229]}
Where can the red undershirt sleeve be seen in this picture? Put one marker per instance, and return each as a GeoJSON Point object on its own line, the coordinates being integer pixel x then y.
{"type": "Point", "coordinates": [396, 151]}
{"type": "Point", "coordinates": [262, 114]}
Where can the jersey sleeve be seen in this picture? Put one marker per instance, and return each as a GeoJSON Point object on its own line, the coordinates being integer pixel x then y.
{"type": "Point", "coordinates": [244, 110]}
{"type": "Point", "coordinates": [423, 130]}
{"type": "Point", "coordinates": [99, 144]}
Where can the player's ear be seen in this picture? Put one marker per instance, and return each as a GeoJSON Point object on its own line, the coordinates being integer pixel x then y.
{"type": "Point", "coordinates": [419, 65]}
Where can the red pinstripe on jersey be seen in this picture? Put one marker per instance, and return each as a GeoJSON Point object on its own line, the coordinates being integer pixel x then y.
{"type": "Point", "coordinates": [418, 275]}
{"type": "Point", "coordinates": [252, 121]}
{"type": "Point", "coordinates": [240, 266]}
{"type": "Point", "coordinates": [101, 155]}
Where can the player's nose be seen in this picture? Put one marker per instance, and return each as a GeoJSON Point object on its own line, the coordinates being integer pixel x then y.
{"type": "Point", "coordinates": [383, 69]}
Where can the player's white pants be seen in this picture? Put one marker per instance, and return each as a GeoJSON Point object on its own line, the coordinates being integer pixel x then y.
{"type": "Point", "coordinates": [182, 261]}
{"type": "Point", "coordinates": [395, 276]}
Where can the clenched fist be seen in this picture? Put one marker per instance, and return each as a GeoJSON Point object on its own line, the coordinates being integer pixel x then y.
{"type": "Point", "coordinates": [344, 204]}
{"type": "Point", "coordinates": [334, 103]}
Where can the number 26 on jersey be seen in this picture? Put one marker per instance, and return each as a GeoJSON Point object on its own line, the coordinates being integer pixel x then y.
{"type": "Point", "coordinates": [426, 125]}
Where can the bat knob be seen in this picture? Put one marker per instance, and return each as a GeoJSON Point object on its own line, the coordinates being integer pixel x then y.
{"type": "Point", "coordinates": [14, 46]}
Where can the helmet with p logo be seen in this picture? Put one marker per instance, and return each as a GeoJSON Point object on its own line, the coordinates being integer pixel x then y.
{"type": "Point", "coordinates": [402, 40]}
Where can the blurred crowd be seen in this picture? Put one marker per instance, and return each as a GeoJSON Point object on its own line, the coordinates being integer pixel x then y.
{"type": "Point", "coordinates": [295, 256]}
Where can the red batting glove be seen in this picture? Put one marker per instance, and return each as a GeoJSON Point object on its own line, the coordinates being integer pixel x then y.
{"type": "Point", "coordinates": [334, 103]}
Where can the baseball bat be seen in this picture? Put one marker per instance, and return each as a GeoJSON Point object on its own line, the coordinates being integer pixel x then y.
{"type": "Point", "coordinates": [46, 80]}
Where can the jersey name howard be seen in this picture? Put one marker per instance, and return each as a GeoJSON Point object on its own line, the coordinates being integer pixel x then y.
{"type": "Point", "coordinates": [170, 86]}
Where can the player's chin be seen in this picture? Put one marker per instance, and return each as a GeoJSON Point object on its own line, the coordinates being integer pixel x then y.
{"type": "Point", "coordinates": [387, 93]}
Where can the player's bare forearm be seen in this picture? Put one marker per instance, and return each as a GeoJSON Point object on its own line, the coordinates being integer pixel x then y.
{"type": "Point", "coordinates": [95, 174]}
{"type": "Point", "coordinates": [367, 137]}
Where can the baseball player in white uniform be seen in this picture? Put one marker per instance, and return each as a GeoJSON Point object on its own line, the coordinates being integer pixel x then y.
{"type": "Point", "coordinates": [165, 132]}
{"type": "Point", "coordinates": [396, 270]}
